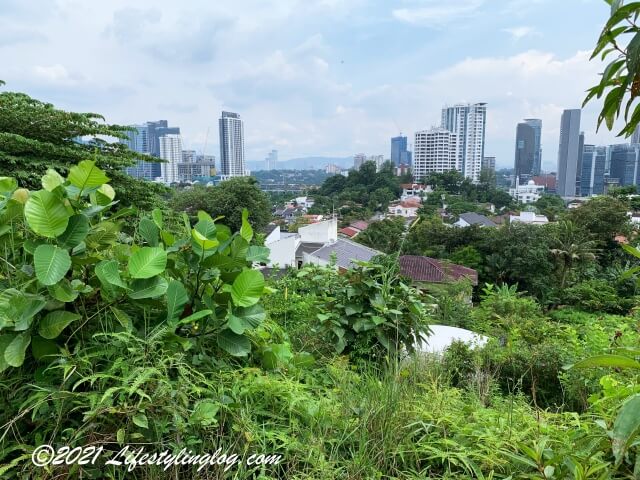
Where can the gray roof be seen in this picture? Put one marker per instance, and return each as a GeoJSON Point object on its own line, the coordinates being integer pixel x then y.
{"type": "Point", "coordinates": [473, 218]}
{"type": "Point", "coordinates": [307, 247]}
{"type": "Point", "coordinates": [346, 252]}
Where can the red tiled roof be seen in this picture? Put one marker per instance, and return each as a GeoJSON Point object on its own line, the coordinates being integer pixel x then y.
{"type": "Point", "coordinates": [412, 186]}
{"type": "Point", "coordinates": [360, 225]}
{"type": "Point", "coordinates": [349, 232]}
{"type": "Point", "coordinates": [425, 269]}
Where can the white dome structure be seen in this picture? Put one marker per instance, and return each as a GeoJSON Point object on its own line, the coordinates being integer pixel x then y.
{"type": "Point", "coordinates": [442, 336]}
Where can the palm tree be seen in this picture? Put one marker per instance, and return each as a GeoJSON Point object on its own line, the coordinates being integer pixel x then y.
{"type": "Point", "coordinates": [571, 247]}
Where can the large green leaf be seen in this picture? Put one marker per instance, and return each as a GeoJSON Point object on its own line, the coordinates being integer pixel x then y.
{"type": "Point", "coordinates": [5, 340]}
{"type": "Point", "coordinates": [247, 288]}
{"type": "Point", "coordinates": [14, 352]}
{"type": "Point", "coordinates": [626, 427]}
{"type": "Point", "coordinates": [46, 214]}
{"type": "Point", "coordinates": [246, 231]}
{"type": "Point", "coordinates": [205, 413]}
{"type": "Point", "coordinates": [243, 319]}
{"type": "Point", "coordinates": [55, 322]}
{"type": "Point", "coordinates": [63, 291]}
{"type": "Point", "coordinates": [147, 262]}
{"type": "Point", "coordinates": [258, 254]}
{"type": "Point", "coordinates": [24, 307]}
{"type": "Point", "coordinates": [149, 231]}
{"type": "Point", "coordinates": [616, 361]}
{"type": "Point", "coordinates": [103, 234]}
{"type": "Point", "coordinates": [177, 298]}
{"type": "Point", "coordinates": [51, 263]}
{"type": "Point", "coordinates": [157, 217]}
{"type": "Point", "coordinates": [109, 274]}
{"type": "Point", "coordinates": [236, 345]}
{"type": "Point", "coordinates": [148, 288]}
{"type": "Point", "coordinates": [51, 180]}
{"type": "Point", "coordinates": [8, 184]}
{"type": "Point", "coordinates": [86, 175]}
{"type": "Point", "coordinates": [76, 232]}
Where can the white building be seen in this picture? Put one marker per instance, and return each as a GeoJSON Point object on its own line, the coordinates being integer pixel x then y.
{"type": "Point", "coordinates": [530, 218]}
{"type": "Point", "coordinates": [469, 122]}
{"type": "Point", "coordinates": [232, 160]}
{"type": "Point", "coordinates": [529, 193]}
{"type": "Point", "coordinates": [171, 151]}
{"type": "Point", "coordinates": [358, 160]}
{"type": "Point", "coordinates": [271, 162]}
{"type": "Point", "coordinates": [404, 208]}
{"type": "Point", "coordinates": [435, 150]}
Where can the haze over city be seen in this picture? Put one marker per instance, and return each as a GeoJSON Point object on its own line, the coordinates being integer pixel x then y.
{"type": "Point", "coordinates": [321, 77]}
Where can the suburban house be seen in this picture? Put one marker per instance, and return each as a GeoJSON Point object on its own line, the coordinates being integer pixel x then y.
{"type": "Point", "coordinates": [404, 208]}
{"type": "Point", "coordinates": [471, 218]}
{"type": "Point", "coordinates": [316, 244]}
{"type": "Point", "coordinates": [414, 190]}
{"type": "Point", "coordinates": [426, 270]}
{"type": "Point", "coordinates": [529, 193]}
{"type": "Point", "coordinates": [530, 218]}
{"type": "Point", "coordinates": [354, 229]}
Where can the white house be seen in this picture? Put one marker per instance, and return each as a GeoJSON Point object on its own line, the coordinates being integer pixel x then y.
{"type": "Point", "coordinates": [443, 336]}
{"type": "Point", "coordinates": [531, 218]}
{"type": "Point", "coordinates": [404, 208]}
{"type": "Point", "coordinates": [529, 193]}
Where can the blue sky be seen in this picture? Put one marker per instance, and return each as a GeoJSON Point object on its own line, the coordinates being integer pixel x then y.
{"type": "Point", "coordinates": [309, 77]}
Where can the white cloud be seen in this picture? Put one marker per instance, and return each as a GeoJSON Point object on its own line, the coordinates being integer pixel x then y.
{"type": "Point", "coordinates": [436, 12]}
{"type": "Point", "coordinates": [520, 32]}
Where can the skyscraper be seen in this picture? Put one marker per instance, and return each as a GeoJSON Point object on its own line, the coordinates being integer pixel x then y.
{"type": "Point", "coordinates": [435, 150]}
{"type": "Point", "coordinates": [145, 139]}
{"type": "Point", "coordinates": [625, 164]}
{"type": "Point", "coordinates": [232, 162]}
{"type": "Point", "coordinates": [528, 155]}
{"type": "Point", "coordinates": [469, 123]}
{"type": "Point", "coordinates": [489, 163]}
{"type": "Point", "coordinates": [170, 151]}
{"type": "Point", "coordinates": [358, 160]}
{"type": "Point", "coordinates": [400, 154]}
{"type": "Point", "coordinates": [594, 161]}
{"type": "Point", "coordinates": [271, 162]}
{"type": "Point", "coordinates": [568, 153]}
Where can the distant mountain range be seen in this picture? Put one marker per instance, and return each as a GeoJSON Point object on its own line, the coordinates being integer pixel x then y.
{"type": "Point", "coordinates": [304, 163]}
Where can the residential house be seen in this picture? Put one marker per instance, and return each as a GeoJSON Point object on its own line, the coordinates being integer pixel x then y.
{"type": "Point", "coordinates": [343, 252]}
{"type": "Point", "coordinates": [530, 218]}
{"type": "Point", "coordinates": [354, 229]}
{"type": "Point", "coordinates": [471, 218]}
{"type": "Point", "coordinates": [404, 208]}
{"type": "Point", "coordinates": [426, 270]}
{"type": "Point", "coordinates": [414, 190]}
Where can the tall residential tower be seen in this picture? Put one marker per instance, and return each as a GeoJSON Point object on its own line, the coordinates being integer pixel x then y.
{"type": "Point", "coordinates": [232, 162]}
{"type": "Point", "coordinates": [468, 122]}
{"type": "Point", "coordinates": [569, 154]}
{"type": "Point", "coordinates": [528, 156]}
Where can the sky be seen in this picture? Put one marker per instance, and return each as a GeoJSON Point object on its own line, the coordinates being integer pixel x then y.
{"type": "Point", "coordinates": [310, 77]}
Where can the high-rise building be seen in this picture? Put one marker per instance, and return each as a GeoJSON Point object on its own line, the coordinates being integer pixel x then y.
{"type": "Point", "coordinates": [271, 162]}
{"type": "Point", "coordinates": [593, 169]}
{"type": "Point", "coordinates": [194, 166]}
{"type": "Point", "coordinates": [635, 138]}
{"type": "Point", "coordinates": [436, 150]}
{"type": "Point", "coordinates": [469, 123]}
{"type": "Point", "coordinates": [171, 152]}
{"type": "Point", "coordinates": [145, 139]}
{"type": "Point", "coordinates": [378, 160]}
{"type": "Point", "coordinates": [400, 154]}
{"type": "Point", "coordinates": [232, 160]}
{"type": "Point", "coordinates": [358, 160]}
{"type": "Point", "coordinates": [489, 163]}
{"type": "Point", "coordinates": [528, 157]}
{"type": "Point", "coordinates": [625, 164]}
{"type": "Point", "coordinates": [569, 153]}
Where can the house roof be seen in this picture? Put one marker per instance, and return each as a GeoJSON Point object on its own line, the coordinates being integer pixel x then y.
{"type": "Point", "coordinates": [270, 228]}
{"type": "Point", "coordinates": [346, 253]}
{"type": "Point", "coordinates": [307, 247]}
{"type": "Point", "coordinates": [473, 218]}
{"type": "Point", "coordinates": [349, 232]}
{"type": "Point", "coordinates": [425, 269]}
{"type": "Point", "coordinates": [360, 225]}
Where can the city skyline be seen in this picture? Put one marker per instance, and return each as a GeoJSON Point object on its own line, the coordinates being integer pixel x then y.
{"type": "Point", "coordinates": [302, 89]}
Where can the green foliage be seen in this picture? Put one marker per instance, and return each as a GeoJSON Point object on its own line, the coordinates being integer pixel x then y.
{"type": "Point", "coordinates": [227, 200]}
{"type": "Point", "coordinates": [385, 235]}
{"type": "Point", "coordinates": [620, 82]}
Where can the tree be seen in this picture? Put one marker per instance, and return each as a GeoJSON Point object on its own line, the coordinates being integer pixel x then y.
{"type": "Point", "coordinates": [550, 205]}
{"type": "Point", "coordinates": [227, 199]}
{"type": "Point", "coordinates": [35, 136]}
{"type": "Point", "coordinates": [385, 235]}
{"type": "Point", "coordinates": [621, 78]}
{"type": "Point", "coordinates": [570, 247]}
{"type": "Point", "coordinates": [602, 217]}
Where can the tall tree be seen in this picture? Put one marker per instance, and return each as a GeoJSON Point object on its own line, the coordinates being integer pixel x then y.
{"type": "Point", "coordinates": [35, 136]}
{"type": "Point", "coordinates": [570, 247]}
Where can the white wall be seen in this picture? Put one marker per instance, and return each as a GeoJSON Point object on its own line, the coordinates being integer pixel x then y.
{"type": "Point", "coordinates": [283, 252]}
{"type": "Point", "coordinates": [273, 236]}
{"type": "Point", "coordinates": [321, 232]}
